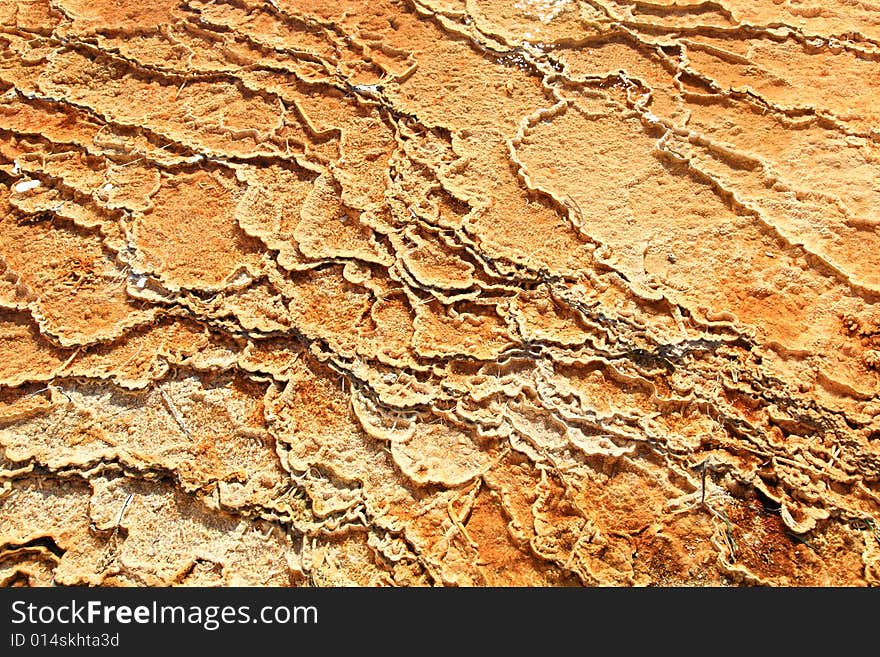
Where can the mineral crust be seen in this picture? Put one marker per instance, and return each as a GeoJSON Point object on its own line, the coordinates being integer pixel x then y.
{"type": "Point", "coordinates": [439, 293]}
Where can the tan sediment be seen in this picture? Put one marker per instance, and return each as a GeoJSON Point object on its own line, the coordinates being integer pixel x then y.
{"type": "Point", "coordinates": [439, 293]}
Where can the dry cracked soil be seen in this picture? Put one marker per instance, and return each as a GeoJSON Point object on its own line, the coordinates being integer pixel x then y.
{"type": "Point", "coordinates": [527, 293]}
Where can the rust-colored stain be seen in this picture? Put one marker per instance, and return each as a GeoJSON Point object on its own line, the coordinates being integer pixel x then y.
{"type": "Point", "coordinates": [439, 293]}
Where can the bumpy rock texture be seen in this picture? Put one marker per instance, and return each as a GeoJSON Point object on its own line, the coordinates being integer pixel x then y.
{"type": "Point", "coordinates": [439, 292]}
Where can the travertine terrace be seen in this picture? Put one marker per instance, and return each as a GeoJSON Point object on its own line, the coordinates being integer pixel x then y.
{"type": "Point", "coordinates": [439, 292]}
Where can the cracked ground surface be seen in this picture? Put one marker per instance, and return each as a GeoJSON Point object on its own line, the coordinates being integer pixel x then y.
{"type": "Point", "coordinates": [439, 292]}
